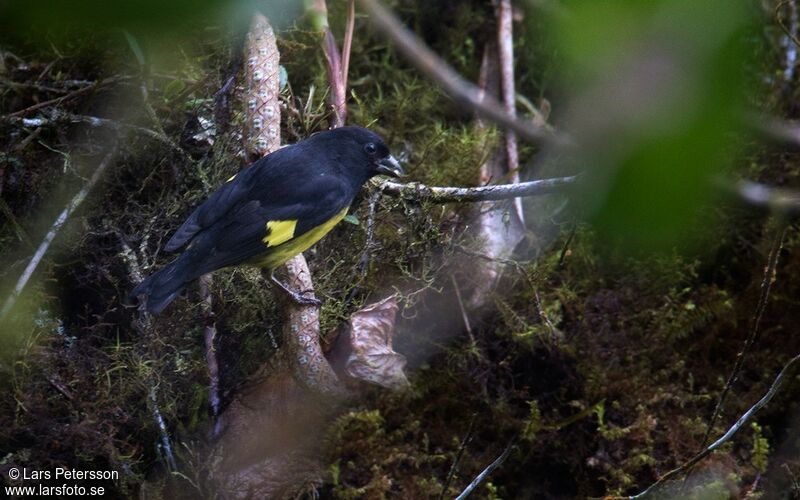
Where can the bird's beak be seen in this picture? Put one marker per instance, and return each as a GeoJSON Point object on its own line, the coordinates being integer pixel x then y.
{"type": "Point", "coordinates": [390, 166]}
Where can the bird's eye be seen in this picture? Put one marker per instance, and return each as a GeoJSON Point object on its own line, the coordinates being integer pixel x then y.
{"type": "Point", "coordinates": [370, 148]}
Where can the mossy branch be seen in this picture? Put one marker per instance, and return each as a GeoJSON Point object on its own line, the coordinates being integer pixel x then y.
{"type": "Point", "coordinates": [782, 202]}
{"type": "Point", "coordinates": [483, 193]}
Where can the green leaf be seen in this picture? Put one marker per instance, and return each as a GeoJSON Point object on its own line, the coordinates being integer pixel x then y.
{"type": "Point", "coordinates": [352, 219]}
{"type": "Point", "coordinates": [135, 47]}
{"type": "Point", "coordinates": [653, 117]}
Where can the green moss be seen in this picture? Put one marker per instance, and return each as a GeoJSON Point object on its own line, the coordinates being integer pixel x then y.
{"type": "Point", "coordinates": [534, 423]}
{"type": "Point", "coordinates": [760, 450]}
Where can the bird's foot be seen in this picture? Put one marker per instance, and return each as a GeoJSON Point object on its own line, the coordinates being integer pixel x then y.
{"type": "Point", "coordinates": [297, 297]}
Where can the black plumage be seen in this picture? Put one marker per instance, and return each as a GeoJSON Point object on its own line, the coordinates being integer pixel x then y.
{"type": "Point", "coordinates": [272, 210]}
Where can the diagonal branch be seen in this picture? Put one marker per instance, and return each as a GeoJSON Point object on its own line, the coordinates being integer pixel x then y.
{"type": "Point", "coordinates": [54, 229]}
{"type": "Point", "coordinates": [58, 100]}
{"type": "Point", "coordinates": [488, 470]}
{"type": "Point", "coordinates": [776, 385]}
{"type": "Point", "coordinates": [766, 285]}
{"type": "Point", "coordinates": [446, 77]}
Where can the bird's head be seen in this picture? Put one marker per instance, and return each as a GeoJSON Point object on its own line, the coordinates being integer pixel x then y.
{"type": "Point", "coordinates": [367, 149]}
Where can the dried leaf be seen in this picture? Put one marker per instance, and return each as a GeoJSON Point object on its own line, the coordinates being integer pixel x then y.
{"type": "Point", "coordinates": [364, 349]}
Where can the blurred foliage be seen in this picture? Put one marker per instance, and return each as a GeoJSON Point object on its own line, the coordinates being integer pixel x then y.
{"type": "Point", "coordinates": [50, 20]}
{"type": "Point", "coordinates": [659, 95]}
{"type": "Point", "coordinates": [606, 362]}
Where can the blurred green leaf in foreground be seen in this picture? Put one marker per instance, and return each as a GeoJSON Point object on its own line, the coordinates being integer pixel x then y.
{"type": "Point", "coordinates": [658, 90]}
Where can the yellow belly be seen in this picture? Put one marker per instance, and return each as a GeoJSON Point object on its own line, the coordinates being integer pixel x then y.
{"type": "Point", "coordinates": [281, 253]}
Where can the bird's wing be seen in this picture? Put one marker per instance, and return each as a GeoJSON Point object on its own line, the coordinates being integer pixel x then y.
{"type": "Point", "coordinates": [218, 204]}
{"type": "Point", "coordinates": [255, 226]}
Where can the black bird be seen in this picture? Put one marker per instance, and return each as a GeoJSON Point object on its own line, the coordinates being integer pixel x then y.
{"type": "Point", "coordinates": [275, 209]}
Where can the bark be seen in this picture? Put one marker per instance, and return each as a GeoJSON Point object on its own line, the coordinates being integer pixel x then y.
{"type": "Point", "coordinates": [270, 435]}
{"type": "Point", "coordinates": [262, 87]}
{"type": "Point", "coordinates": [267, 446]}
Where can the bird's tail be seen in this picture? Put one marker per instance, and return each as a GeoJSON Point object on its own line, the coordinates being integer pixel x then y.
{"type": "Point", "coordinates": [163, 286]}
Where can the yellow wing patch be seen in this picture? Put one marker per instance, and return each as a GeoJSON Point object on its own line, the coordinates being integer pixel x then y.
{"type": "Point", "coordinates": [293, 246]}
{"type": "Point", "coordinates": [279, 231]}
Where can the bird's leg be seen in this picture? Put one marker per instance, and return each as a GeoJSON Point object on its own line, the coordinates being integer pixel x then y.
{"type": "Point", "coordinates": [296, 296]}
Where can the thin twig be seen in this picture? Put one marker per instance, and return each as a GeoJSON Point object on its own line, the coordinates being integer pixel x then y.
{"type": "Point", "coordinates": [363, 262]}
{"type": "Point", "coordinates": [464, 314]}
{"type": "Point", "coordinates": [369, 244]}
{"type": "Point", "coordinates": [482, 193]}
{"type": "Point", "coordinates": [59, 117]}
{"type": "Point", "coordinates": [543, 317]}
{"type": "Point", "coordinates": [60, 387]}
{"type": "Point", "coordinates": [209, 335]}
{"type": "Point", "coordinates": [30, 138]}
{"type": "Point", "coordinates": [142, 324]}
{"type": "Point", "coordinates": [488, 470]}
{"type": "Point", "coordinates": [54, 229]}
{"type": "Point", "coordinates": [33, 86]}
{"type": "Point", "coordinates": [565, 249]}
{"type": "Point", "coordinates": [776, 385]}
{"type": "Point", "coordinates": [766, 285]}
{"type": "Point", "coordinates": [166, 444]}
{"type": "Point", "coordinates": [22, 235]}
{"type": "Point", "coordinates": [59, 100]}
{"type": "Point", "coordinates": [461, 447]}
{"type": "Point", "coordinates": [151, 113]}
{"type": "Point", "coordinates": [440, 72]}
